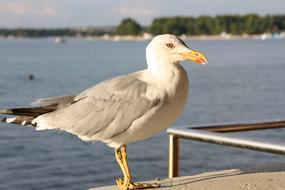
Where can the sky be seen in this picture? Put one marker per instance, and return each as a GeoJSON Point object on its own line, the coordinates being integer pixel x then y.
{"type": "Point", "coordinates": [82, 13]}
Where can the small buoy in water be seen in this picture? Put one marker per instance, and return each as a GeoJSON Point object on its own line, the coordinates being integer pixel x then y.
{"type": "Point", "coordinates": [31, 77]}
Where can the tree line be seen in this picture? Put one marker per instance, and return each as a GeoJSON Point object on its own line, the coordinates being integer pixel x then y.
{"type": "Point", "coordinates": [207, 25]}
{"type": "Point", "coordinates": [202, 25]}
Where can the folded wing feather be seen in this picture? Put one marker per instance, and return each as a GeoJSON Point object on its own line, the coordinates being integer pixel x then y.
{"type": "Point", "coordinates": [103, 111]}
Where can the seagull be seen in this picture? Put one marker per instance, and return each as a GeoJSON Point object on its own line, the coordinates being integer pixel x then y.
{"type": "Point", "coordinates": [123, 109]}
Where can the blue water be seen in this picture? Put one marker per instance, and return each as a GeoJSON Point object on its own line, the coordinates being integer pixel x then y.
{"type": "Point", "coordinates": [244, 81]}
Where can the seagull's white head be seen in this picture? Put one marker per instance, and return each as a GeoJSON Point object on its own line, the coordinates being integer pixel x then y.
{"type": "Point", "coordinates": [169, 49]}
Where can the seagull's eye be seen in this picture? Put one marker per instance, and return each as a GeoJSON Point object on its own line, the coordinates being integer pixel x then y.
{"type": "Point", "coordinates": [169, 45]}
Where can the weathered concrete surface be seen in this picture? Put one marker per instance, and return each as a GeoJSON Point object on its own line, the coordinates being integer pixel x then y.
{"type": "Point", "coordinates": [262, 178]}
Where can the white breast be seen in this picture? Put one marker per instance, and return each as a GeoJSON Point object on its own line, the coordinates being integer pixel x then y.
{"type": "Point", "coordinates": [175, 94]}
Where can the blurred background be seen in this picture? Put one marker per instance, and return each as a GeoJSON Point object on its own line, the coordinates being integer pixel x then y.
{"type": "Point", "coordinates": [51, 48]}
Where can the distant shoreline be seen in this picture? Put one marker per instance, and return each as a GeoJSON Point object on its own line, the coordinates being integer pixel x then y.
{"type": "Point", "coordinates": [148, 37]}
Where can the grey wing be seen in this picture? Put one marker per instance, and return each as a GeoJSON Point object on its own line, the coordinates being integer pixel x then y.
{"type": "Point", "coordinates": [103, 111]}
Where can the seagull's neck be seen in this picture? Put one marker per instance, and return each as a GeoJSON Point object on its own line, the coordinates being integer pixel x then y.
{"type": "Point", "coordinates": [164, 69]}
{"type": "Point", "coordinates": [170, 74]}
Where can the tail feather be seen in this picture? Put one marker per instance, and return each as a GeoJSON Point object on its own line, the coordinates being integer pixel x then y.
{"type": "Point", "coordinates": [25, 116]}
{"type": "Point", "coordinates": [19, 120]}
{"type": "Point", "coordinates": [35, 111]}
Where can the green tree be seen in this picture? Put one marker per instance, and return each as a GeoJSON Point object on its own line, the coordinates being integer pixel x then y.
{"type": "Point", "coordinates": [129, 26]}
{"type": "Point", "coordinates": [206, 25]}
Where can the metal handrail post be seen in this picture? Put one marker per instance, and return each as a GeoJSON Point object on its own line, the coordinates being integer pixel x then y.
{"type": "Point", "coordinates": [173, 165]}
{"type": "Point", "coordinates": [199, 133]}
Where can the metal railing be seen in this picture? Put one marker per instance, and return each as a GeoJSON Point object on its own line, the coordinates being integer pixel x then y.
{"type": "Point", "coordinates": [210, 134]}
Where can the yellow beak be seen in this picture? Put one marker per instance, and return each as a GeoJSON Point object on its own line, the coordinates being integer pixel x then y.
{"type": "Point", "coordinates": [196, 57]}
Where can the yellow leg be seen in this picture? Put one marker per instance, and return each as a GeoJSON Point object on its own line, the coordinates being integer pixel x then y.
{"type": "Point", "coordinates": [127, 183]}
{"type": "Point", "coordinates": [127, 177]}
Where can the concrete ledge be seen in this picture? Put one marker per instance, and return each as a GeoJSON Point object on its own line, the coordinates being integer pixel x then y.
{"type": "Point", "coordinates": [271, 177]}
